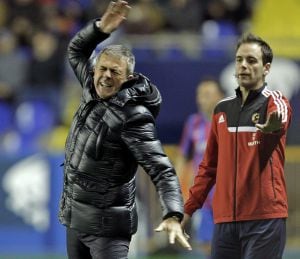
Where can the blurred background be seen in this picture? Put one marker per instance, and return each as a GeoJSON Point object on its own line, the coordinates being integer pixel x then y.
{"type": "Point", "coordinates": [177, 43]}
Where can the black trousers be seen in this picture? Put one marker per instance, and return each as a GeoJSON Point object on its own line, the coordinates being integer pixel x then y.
{"type": "Point", "coordinates": [257, 239]}
{"type": "Point", "coordinates": [85, 246]}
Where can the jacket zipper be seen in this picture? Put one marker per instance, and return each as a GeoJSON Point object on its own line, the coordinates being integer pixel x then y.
{"type": "Point", "coordinates": [235, 176]}
{"type": "Point", "coordinates": [79, 124]}
{"type": "Point", "coordinates": [236, 164]}
{"type": "Point", "coordinates": [272, 177]}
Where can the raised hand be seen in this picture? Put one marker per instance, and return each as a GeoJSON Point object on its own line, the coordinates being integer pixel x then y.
{"type": "Point", "coordinates": [114, 15]}
{"type": "Point", "coordinates": [273, 123]}
{"type": "Point", "coordinates": [175, 232]}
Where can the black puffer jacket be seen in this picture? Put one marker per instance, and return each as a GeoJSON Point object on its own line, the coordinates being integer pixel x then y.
{"type": "Point", "coordinates": [107, 140]}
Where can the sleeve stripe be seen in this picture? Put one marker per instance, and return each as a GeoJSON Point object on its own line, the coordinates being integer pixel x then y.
{"type": "Point", "coordinates": [280, 104]}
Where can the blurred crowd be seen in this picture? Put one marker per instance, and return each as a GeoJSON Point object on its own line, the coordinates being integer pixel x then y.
{"type": "Point", "coordinates": [34, 33]}
{"type": "Point", "coordinates": [33, 39]}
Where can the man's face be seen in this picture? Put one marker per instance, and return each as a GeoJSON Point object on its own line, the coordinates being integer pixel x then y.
{"type": "Point", "coordinates": [249, 68]}
{"type": "Point", "coordinates": [110, 72]}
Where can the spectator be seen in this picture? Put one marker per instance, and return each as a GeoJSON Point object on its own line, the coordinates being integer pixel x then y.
{"type": "Point", "coordinates": [183, 15]}
{"type": "Point", "coordinates": [192, 147]}
{"type": "Point", "coordinates": [13, 67]}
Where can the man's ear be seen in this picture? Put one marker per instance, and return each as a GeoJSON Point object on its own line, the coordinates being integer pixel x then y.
{"type": "Point", "coordinates": [267, 68]}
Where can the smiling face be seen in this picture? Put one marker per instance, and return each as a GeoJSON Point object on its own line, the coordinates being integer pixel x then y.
{"type": "Point", "coordinates": [249, 68]}
{"type": "Point", "coordinates": [110, 72]}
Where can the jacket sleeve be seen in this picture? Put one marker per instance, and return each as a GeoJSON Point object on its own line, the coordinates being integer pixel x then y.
{"type": "Point", "coordinates": [277, 102]}
{"type": "Point", "coordinates": [80, 49]}
{"type": "Point", "coordinates": [206, 176]}
{"type": "Point", "coordinates": [139, 135]}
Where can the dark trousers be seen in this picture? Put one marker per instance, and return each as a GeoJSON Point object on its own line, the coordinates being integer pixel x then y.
{"type": "Point", "coordinates": [257, 239]}
{"type": "Point", "coordinates": [85, 246]}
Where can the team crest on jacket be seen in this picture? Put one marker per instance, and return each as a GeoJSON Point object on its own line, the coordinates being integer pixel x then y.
{"type": "Point", "coordinates": [255, 118]}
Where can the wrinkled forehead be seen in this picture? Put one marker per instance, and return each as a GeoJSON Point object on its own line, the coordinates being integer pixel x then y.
{"type": "Point", "coordinates": [111, 58]}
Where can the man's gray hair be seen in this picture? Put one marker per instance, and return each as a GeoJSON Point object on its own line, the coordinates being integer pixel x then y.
{"type": "Point", "coordinates": [121, 52]}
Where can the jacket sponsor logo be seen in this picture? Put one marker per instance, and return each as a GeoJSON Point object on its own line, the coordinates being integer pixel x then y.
{"type": "Point", "coordinates": [255, 118]}
{"type": "Point", "coordinates": [221, 119]}
{"type": "Point", "coordinates": [254, 141]}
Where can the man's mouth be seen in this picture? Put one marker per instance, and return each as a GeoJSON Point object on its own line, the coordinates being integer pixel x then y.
{"type": "Point", "coordinates": [105, 85]}
{"type": "Point", "coordinates": [243, 75]}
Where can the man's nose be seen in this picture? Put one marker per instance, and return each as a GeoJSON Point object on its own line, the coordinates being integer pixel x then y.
{"type": "Point", "coordinates": [107, 73]}
{"type": "Point", "coordinates": [244, 63]}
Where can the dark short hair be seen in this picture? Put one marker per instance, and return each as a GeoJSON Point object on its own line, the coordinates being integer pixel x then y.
{"type": "Point", "coordinates": [267, 53]}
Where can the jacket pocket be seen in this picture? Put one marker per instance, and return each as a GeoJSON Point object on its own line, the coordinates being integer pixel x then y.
{"type": "Point", "coordinates": [119, 221]}
{"type": "Point", "coordinates": [111, 222]}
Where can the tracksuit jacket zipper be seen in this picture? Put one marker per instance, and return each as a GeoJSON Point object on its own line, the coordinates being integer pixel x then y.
{"type": "Point", "coordinates": [236, 163]}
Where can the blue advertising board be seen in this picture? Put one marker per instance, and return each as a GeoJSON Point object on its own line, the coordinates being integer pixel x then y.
{"type": "Point", "coordinates": [30, 188]}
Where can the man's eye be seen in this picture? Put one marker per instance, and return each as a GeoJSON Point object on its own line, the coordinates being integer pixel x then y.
{"type": "Point", "coordinates": [115, 72]}
{"type": "Point", "coordinates": [251, 61]}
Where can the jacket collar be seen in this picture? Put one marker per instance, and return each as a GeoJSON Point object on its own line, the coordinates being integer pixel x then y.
{"type": "Point", "coordinates": [252, 93]}
{"type": "Point", "coordinates": [130, 90]}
